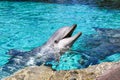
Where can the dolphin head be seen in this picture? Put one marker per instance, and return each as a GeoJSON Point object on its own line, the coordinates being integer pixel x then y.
{"type": "Point", "coordinates": [63, 39]}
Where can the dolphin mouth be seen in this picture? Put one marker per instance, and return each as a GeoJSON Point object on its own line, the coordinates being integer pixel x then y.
{"type": "Point", "coordinates": [70, 32]}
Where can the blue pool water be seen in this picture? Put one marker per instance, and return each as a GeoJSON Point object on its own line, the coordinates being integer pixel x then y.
{"type": "Point", "coordinates": [25, 25]}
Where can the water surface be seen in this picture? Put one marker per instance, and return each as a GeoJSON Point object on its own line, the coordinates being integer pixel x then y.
{"type": "Point", "coordinates": [25, 25]}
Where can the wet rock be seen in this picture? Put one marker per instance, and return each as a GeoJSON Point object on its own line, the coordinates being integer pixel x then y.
{"type": "Point", "coordinates": [32, 73]}
{"type": "Point", "coordinates": [111, 74]}
{"type": "Point", "coordinates": [46, 73]}
{"type": "Point", "coordinates": [101, 3]}
{"type": "Point", "coordinates": [109, 3]}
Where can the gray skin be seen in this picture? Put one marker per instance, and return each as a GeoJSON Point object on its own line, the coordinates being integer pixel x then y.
{"type": "Point", "coordinates": [59, 43]}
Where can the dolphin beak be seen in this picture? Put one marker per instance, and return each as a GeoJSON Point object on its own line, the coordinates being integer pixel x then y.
{"type": "Point", "coordinates": [73, 28]}
{"type": "Point", "coordinates": [70, 32]}
{"type": "Point", "coordinates": [68, 39]}
{"type": "Point", "coordinates": [75, 37]}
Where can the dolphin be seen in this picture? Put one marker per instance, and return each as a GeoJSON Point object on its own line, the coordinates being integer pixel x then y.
{"type": "Point", "coordinates": [59, 42]}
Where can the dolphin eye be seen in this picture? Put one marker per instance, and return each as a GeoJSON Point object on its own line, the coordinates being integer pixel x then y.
{"type": "Point", "coordinates": [56, 41]}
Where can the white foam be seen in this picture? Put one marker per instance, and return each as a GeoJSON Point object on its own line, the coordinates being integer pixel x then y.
{"type": "Point", "coordinates": [31, 61]}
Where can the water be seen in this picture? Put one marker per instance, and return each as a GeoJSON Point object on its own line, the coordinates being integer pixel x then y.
{"type": "Point", "coordinates": [25, 25]}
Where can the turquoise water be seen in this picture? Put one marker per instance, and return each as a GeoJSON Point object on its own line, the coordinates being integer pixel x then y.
{"type": "Point", "coordinates": [25, 25]}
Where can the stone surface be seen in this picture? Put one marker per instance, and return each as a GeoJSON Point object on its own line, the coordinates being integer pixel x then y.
{"type": "Point", "coordinates": [32, 73]}
{"type": "Point", "coordinates": [109, 3]}
{"type": "Point", "coordinates": [111, 74]}
{"type": "Point", "coordinates": [46, 73]}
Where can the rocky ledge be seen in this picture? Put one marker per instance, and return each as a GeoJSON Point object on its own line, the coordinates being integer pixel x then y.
{"type": "Point", "coordinates": [109, 3]}
{"type": "Point", "coordinates": [46, 73]}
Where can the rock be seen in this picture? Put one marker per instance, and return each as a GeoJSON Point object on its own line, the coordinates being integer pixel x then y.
{"type": "Point", "coordinates": [32, 73]}
{"type": "Point", "coordinates": [111, 74]}
{"type": "Point", "coordinates": [109, 3]}
{"type": "Point", "coordinates": [101, 3]}
{"type": "Point", "coordinates": [46, 73]}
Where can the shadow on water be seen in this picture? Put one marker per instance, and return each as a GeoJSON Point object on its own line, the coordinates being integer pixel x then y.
{"type": "Point", "coordinates": [103, 46]}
